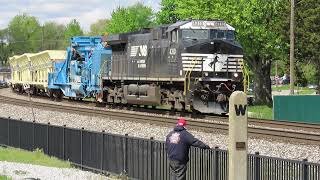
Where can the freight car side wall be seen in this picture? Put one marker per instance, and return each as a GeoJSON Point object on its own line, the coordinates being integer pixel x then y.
{"type": "Point", "coordinates": [31, 69]}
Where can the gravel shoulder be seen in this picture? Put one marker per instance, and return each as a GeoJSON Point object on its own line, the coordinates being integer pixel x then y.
{"type": "Point", "coordinates": [21, 171]}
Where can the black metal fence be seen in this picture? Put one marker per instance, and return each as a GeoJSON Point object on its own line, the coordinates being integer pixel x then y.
{"type": "Point", "coordinates": [140, 158]}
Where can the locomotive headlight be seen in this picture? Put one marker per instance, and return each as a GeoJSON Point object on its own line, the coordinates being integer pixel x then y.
{"type": "Point", "coordinates": [235, 75]}
{"type": "Point", "coordinates": [206, 74]}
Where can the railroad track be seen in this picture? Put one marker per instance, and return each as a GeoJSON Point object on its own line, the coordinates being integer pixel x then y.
{"type": "Point", "coordinates": [296, 132]}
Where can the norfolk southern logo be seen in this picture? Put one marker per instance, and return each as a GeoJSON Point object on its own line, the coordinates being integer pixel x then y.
{"type": "Point", "coordinates": [240, 109]}
{"type": "Point", "coordinates": [139, 51]}
{"type": "Point", "coordinates": [213, 62]}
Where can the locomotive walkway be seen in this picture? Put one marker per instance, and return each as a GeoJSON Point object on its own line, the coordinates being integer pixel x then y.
{"type": "Point", "coordinates": [296, 132]}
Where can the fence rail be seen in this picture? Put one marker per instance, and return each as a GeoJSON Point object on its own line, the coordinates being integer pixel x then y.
{"type": "Point", "coordinates": [140, 158]}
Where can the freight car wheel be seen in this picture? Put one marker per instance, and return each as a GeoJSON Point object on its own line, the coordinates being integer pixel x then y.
{"type": "Point", "coordinates": [50, 94]}
{"type": "Point", "coordinates": [20, 90]}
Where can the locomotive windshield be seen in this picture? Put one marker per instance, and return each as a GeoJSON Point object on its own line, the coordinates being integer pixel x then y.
{"type": "Point", "coordinates": [206, 34]}
{"type": "Point", "coordinates": [195, 34]}
{"type": "Point", "coordinates": [221, 34]}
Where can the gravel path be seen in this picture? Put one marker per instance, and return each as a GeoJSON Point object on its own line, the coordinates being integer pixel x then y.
{"type": "Point", "coordinates": [266, 147]}
{"type": "Point", "coordinates": [20, 171]}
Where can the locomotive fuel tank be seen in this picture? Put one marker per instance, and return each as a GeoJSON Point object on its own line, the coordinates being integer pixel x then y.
{"type": "Point", "coordinates": [142, 94]}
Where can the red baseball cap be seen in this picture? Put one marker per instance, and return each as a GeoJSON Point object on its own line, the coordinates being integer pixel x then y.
{"type": "Point", "coordinates": [181, 121]}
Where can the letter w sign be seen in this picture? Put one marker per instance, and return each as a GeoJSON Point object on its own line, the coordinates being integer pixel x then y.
{"type": "Point", "coordinates": [240, 109]}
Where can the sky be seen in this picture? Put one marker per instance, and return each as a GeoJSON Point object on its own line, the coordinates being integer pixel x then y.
{"type": "Point", "coordinates": [63, 11]}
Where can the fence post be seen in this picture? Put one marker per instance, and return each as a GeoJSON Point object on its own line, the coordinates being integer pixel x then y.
{"type": "Point", "coordinates": [48, 138]}
{"type": "Point", "coordinates": [257, 166]}
{"type": "Point", "coordinates": [216, 163]}
{"type": "Point", "coordinates": [305, 169]}
{"type": "Point", "coordinates": [151, 158]}
{"type": "Point", "coordinates": [8, 131]}
{"type": "Point", "coordinates": [125, 155]}
{"type": "Point", "coordinates": [81, 149]}
{"type": "Point", "coordinates": [19, 133]}
{"type": "Point", "coordinates": [64, 142]}
{"type": "Point", "coordinates": [102, 151]}
{"type": "Point", "coordinates": [33, 134]}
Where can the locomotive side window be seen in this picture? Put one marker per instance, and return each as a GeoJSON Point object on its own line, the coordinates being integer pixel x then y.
{"type": "Point", "coordinates": [174, 36]}
{"type": "Point", "coordinates": [195, 34]}
{"type": "Point", "coordinates": [230, 35]}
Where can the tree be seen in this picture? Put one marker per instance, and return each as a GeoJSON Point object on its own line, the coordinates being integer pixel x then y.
{"type": "Point", "coordinates": [4, 48]}
{"type": "Point", "coordinates": [167, 13]}
{"type": "Point", "coordinates": [130, 19]}
{"type": "Point", "coordinates": [72, 29]}
{"type": "Point", "coordinates": [24, 34]}
{"type": "Point", "coordinates": [259, 25]}
{"type": "Point", "coordinates": [99, 27]}
{"type": "Point", "coordinates": [307, 34]}
{"type": "Point", "coordinates": [53, 36]}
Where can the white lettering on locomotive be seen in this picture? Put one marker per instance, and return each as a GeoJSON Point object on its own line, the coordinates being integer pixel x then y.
{"type": "Point", "coordinates": [173, 51]}
{"type": "Point", "coordinates": [141, 64]}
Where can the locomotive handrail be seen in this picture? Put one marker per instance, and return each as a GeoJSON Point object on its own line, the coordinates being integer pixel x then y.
{"type": "Point", "coordinates": [188, 73]}
{"type": "Point", "coordinates": [246, 77]}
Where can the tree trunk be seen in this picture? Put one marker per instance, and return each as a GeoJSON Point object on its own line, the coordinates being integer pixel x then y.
{"type": "Point", "coordinates": [262, 82]}
{"type": "Point", "coordinates": [318, 78]}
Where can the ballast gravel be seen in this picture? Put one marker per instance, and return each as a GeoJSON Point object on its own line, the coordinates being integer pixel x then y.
{"type": "Point", "coordinates": [266, 147]}
{"type": "Point", "coordinates": [21, 171]}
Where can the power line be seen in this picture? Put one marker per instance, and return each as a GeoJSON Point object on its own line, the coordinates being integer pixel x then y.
{"type": "Point", "coordinates": [292, 48]}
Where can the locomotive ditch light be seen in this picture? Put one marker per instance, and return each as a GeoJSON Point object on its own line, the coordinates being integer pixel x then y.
{"type": "Point", "coordinates": [235, 75]}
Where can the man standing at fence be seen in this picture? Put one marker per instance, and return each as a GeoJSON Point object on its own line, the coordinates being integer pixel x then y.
{"type": "Point", "coordinates": [178, 143]}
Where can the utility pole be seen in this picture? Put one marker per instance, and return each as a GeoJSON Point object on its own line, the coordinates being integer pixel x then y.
{"type": "Point", "coordinates": [42, 34]}
{"type": "Point", "coordinates": [292, 78]}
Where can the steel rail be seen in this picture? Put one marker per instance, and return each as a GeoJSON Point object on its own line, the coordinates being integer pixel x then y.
{"type": "Point", "coordinates": [283, 130]}
{"type": "Point", "coordinates": [297, 126]}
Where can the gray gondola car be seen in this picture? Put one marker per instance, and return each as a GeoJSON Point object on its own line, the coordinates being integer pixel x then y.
{"type": "Point", "coordinates": [193, 64]}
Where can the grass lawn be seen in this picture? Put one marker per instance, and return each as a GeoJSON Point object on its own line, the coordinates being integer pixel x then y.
{"type": "Point", "coordinates": [301, 90]}
{"type": "Point", "coordinates": [261, 112]}
{"type": "Point", "coordinates": [5, 178]}
{"type": "Point", "coordinates": [37, 158]}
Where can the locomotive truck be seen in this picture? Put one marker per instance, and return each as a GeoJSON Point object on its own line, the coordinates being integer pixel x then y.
{"type": "Point", "coordinates": [194, 65]}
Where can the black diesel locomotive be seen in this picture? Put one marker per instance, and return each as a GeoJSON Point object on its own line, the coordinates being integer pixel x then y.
{"type": "Point", "coordinates": [193, 65]}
